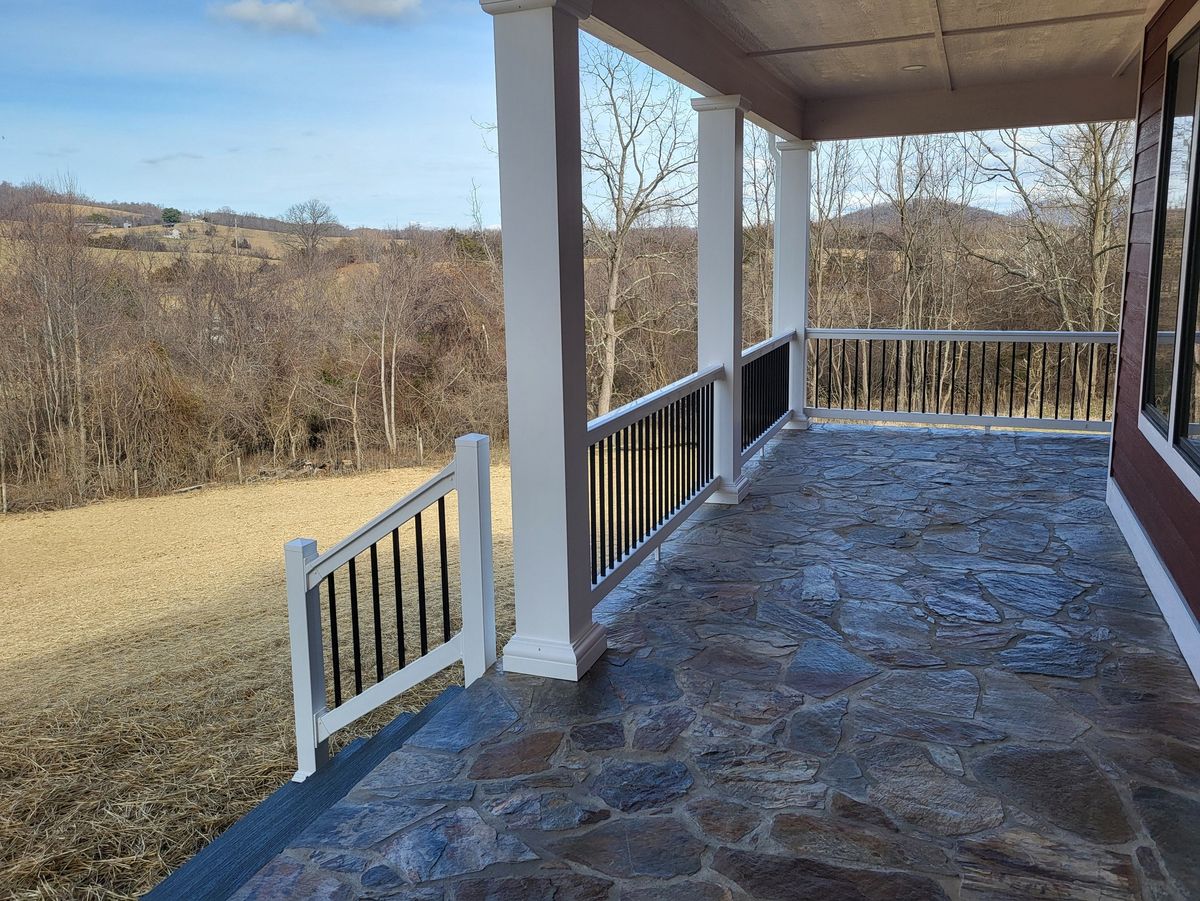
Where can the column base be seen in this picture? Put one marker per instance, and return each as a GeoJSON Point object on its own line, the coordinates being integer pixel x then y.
{"type": "Point", "coordinates": [555, 659]}
{"type": "Point", "coordinates": [730, 495]}
{"type": "Point", "coordinates": [798, 423]}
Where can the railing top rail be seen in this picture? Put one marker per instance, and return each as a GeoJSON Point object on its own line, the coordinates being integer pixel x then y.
{"type": "Point", "coordinates": [603, 426]}
{"type": "Point", "coordinates": [1020, 337]}
{"type": "Point", "coordinates": [381, 526]}
{"type": "Point", "coordinates": [752, 353]}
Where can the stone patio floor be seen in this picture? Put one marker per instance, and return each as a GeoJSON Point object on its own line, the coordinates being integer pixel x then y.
{"type": "Point", "coordinates": [913, 664]}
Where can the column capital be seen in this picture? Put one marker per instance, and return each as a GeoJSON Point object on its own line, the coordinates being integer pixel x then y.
{"type": "Point", "coordinates": [720, 102]}
{"type": "Point", "coordinates": [580, 9]}
{"type": "Point", "coordinates": [784, 146]}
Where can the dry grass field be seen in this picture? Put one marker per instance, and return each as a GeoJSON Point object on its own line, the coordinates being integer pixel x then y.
{"type": "Point", "coordinates": [146, 698]}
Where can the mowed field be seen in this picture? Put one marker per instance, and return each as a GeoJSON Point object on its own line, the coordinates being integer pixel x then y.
{"type": "Point", "coordinates": [145, 693]}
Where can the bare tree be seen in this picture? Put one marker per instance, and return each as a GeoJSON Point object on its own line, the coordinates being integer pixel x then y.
{"type": "Point", "coordinates": [638, 148]}
{"type": "Point", "coordinates": [758, 244]}
{"type": "Point", "coordinates": [1071, 185]}
{"type": "Point", "coordinates": [309, 224]}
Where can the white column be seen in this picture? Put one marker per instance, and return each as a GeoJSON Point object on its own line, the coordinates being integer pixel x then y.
{"type": "Point", "coordinates": [541, 201]}
{"type": "Point", "coordinates": [719, 295]}
{"type": "Point", "coordinates": [792, 196]}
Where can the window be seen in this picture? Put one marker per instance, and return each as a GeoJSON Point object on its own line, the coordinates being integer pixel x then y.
{"type": "Point", "coordinates": [1171, 379]}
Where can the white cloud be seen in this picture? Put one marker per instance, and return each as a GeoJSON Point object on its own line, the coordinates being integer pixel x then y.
{"type": "Point", "coordinates": [375, 9]}
{"type": "Point", "coordinates": [283, 15]}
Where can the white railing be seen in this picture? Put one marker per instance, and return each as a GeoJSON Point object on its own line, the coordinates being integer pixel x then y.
{"type": "Point", "coordinates": [650, 466]}
{"type": "Point", "coordinates": [1059, 380]}
{"type": "Point", "coordinates": [474, 645]}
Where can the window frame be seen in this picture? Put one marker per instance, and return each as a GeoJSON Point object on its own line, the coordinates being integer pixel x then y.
{"type": "Point", "coordinates": [1162, 435]}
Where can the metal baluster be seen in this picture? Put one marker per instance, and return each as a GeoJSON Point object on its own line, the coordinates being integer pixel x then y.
{"type": "Point", "coordinates": [376, 614]}
{"type": "Point", "coordinates": [398, 590]}
{"type": "Point", "coordinates": [870, 353]}
{"type": "Point", "coordinates": [612, 504]}
{"type": "Point", "coordinates": [1042, 383]}
{"type": "Point", "coordinates": [420, 541]}
{"type": "Point", "coordinates": [937, 378]}
{"type": "Point", "coordinates": [335, 648]}
{"type": "Point", "coordinates": [354, 632]}
{"type": "Point", "coordinates": [1012, 376]}
{"type": "Point", "coordinates": [908, 349]}
{"type": "Point", "coordinates": [1107, 360]}
{"type": "Point", "coordinates": [996, 384]}
{"type": "Point", "coordinates": [982, 374]}
{"type": "Point", "coordinates": [1028, 374]}
{"type": "Point", "coordinates": [592, 505]}
{"type": "Point", "coordinates": [1074, 376]}
{"type": "Point", "coordinates": [1058, 379]}
{"type": "Point", "coordinates": [967, 383]}
{"type": "Point", "coordinates": [445, 569]}
{"type": "Point", "coordinates": [896, 397]}
{"type": "Point", "coordinates": [953, 372]}
{"type": "Point", "coordinates": [1091, 380]}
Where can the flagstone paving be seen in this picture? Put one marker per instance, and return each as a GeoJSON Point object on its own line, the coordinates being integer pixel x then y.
{"type": "Point", "coordinates": [913, 664]}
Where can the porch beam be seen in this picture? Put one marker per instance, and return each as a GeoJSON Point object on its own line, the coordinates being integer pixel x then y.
{"type": "Point", "coordinates": [1056, 101]}
{"type": "Point", "coordinates": [719, 283]}
{"type": "Point", "coordinates": [541, 202]}
{"type": "Point", "coordinates": [672, 37]}
{"type": "Point", "coordinates": [790, 299]}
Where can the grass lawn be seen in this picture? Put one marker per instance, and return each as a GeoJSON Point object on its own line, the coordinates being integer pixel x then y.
{"type": "Point", "coordinates": [147, 687]}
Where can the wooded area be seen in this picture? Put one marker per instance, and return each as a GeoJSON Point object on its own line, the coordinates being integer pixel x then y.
{"type": "Point", "coordinates": [126, 364]}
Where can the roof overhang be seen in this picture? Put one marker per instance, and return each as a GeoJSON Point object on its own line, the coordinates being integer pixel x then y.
{"type": "Point", "coordinates": [832, 69]}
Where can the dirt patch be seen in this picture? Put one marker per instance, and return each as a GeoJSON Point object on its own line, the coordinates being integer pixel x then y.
{"type": "Point", "coordinates": [146, 699]}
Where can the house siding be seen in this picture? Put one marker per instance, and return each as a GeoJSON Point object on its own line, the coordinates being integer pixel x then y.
{"type": "Point", "coordinates": [1166, 509]}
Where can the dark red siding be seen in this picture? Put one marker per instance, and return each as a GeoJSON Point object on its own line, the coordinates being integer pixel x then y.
{"type": "Point", "coordinates": [1167, 510]}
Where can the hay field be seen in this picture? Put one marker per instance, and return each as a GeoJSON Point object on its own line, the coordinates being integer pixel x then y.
{"type": "Point", "coordinates": [146, 698]}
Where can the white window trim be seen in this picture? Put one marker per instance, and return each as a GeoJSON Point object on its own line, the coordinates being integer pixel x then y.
{"type": "Point", "coordinates": [1166, 445]}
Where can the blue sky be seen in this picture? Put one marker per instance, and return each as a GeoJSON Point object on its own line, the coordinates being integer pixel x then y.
{"type": "Point", "coordinates": [374, 106]}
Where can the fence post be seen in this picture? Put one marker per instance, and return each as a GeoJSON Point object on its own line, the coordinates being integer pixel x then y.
{"type": "Point", "coordinates": [308, 657]}
{"type": "Point", "coordinates": [472, 477]}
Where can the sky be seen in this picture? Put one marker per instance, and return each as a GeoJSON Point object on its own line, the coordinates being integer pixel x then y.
{"type": "Point", "coordinates": [378, 107]}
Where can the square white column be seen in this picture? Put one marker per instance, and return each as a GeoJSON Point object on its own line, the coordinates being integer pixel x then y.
{"type": "Point", "coordinates": [793, 187]}
{"type": "Point", "coordinates": [719, 294]}
{"type": "Point", "coordinates": [541, 200]}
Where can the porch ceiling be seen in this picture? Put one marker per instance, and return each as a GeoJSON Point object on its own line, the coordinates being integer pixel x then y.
{"type": "Point", "coordinates": [839, 64]}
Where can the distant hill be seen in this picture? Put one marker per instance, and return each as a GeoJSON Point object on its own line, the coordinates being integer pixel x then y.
{"type": "Point", "coordinates": [885, 217]}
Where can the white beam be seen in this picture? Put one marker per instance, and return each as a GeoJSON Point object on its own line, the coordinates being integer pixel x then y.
{"type": "Point", "coordinates": [719, 286]}
{"type": "Point", "coordinates": [541, 201]}
{"type": "Point", "coordinates": [792, 199]}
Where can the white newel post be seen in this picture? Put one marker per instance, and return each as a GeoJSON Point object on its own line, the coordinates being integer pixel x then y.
{"type": "Point", "coordinates": [308, 657]}
{"type": "Point", "coordinates": [541, 202]}
{"type": "Point", "coordinates": [792, 198]}
{"type": "Point", "coordinates": [719, 296]}
{"type": "Point", "coordinates": [472, 477]}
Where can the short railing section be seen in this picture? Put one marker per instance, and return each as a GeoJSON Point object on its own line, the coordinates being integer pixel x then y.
{"type": "Point", "coordinates": [351, 610]}
{"type": "Point", "coordinates": [1059, 380]}
{"type": "Point", "coordinates": [650, 464]}
{"type": "Point", "coordinates": [765, 406]}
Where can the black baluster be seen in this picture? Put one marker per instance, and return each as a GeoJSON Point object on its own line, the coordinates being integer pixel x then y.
{"type": "Point", "coordinates": [335, 648]}
{"type": "Point", "coordinates": [1012, 376]}
{"type": "Point", "coordinates": [354, 631]}
{"type": "Point", "coordinates": [445, 569]}
{"type": "Point", "coordinates": [1058, 379]}
{"type": "Point", "coordinates": [376, 614]}
{"type": "Point", "coordinates": [1074, 376]}
{"type": "Point", "coordinates": [1107, 359]}
{"type": "Point", "coordinates": [592, 505]}
{"type": "Point", "coordinates": [420, 543]}
{"type": "Point", "coordinates": [996, 383]}
{"type": "Point", "coordinates": [399, 592]}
